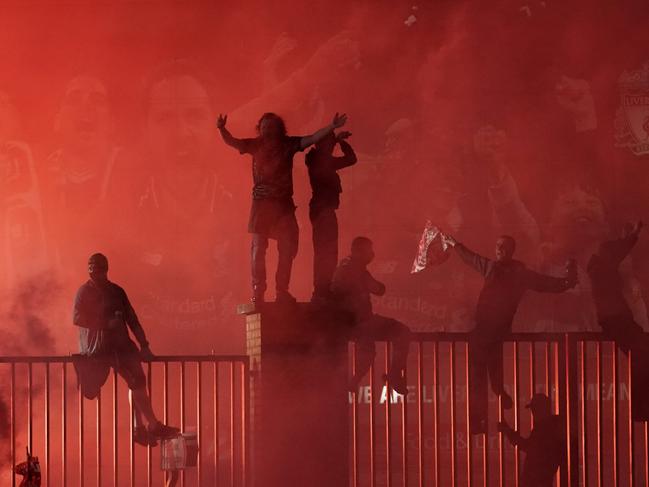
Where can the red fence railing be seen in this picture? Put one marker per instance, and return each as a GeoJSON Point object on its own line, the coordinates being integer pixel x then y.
{"type": "Point", "coordinates": [89, 443]}
{"type": "Point", "coordinates": [424, 439]}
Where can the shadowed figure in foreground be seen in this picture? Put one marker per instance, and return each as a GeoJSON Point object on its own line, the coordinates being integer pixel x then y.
{"type": "Point", "coordinates": [104, 315]}
{"type": "Point", "coordinates": [323, 174]}
{"type": "Point", "coordinates": [351, 288]}
{"type": "Point", "coordinates": [615, 315]}
{"type": "Point", "coordinates": [545, 447]}
{"type": "Point", "coordinates": [273, 211]}
{"type": "Point", "coordinates": [506, 281]}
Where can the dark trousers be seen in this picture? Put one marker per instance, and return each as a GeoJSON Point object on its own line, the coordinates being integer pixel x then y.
{"type": "Point", "coordinates": [630, 337]}
{"type": "Point", "coordinates": [485, 365]}
{"type": "Point", "coordinates": [324, 225]}
{"type": "Point", "coordinates": [379, 328]}
{"type": "Point", "coordinates": [286, 233]}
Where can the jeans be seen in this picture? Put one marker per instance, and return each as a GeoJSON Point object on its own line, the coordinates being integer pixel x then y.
{"type": "Point", "coordinates": [325, 249]}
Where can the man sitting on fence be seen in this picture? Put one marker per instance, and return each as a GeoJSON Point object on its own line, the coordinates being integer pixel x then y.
{"type": "Point", "coordinates": [352, 286]}
{"type": "Point", "coordinates": [506, 280]}
{"type": "Point", "coordinates": [102, 312]}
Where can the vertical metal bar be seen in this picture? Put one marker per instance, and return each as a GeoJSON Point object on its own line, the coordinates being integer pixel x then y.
{"type": "Point", "coordinates": [584, 412]}
{"type": "Point", "coordinates": [355, 397]}
{"type": "Point", "coordinates": [64, 414]}
{"type": "Point", "coordinates": [30, 415]}
{"type": "Point", "coordinates": [232, 424]}
{"type": "Point", "coordinates": [631, 425]}
{"type": "Point", "coordinates": [216, 422]}
{"type": "Point", "coordinates": [98, 438]}
{"type": "Point", "coordinates": [115, 433]}
{"type": "Point", "coordinates": [614, 415]}
{"type": "Point", "coordinates": [451, 361]}
{"type": "Point", "coordinates": [372, 428]}
{"type": "Point", "coordinates": [13, 420]}
{"type": "Point", "coordinates": [501, 449]}
{"type": "Point", "coordinates": [81, 456]}
{"type": "Point", "coordinates": [165, 397]}
{"type": "Point", "coordinates": [131, 442]}
{"type": "Point", "coordinates": [564, 404]}
{"type": "Point", "coordinates": [388, 421]}
{"type": "Point", "coordinates": [245, 412]}
{"type": "Point", "coordinates": [420, 411]}
{"type": "Point", "coordinates": [199, 422]}
{"type": "Point", "coordinates": [404, 438]}
{"type": "Point", "coordinates": [149, 460]}
{"type": "Point", "coordinates": [436, 411]}
{"type": "Point", "coordinates": [469, 443]}
{"type": "Point", "coordinates": [47, 424]}
{"type": "Point", "coordinates": [645, 428]}
{"type": "Point", "coordinates": [598, 409]}
{"type": "Point", "coordinates": [532, 359]}
{"type": "Point", "coordinates": [516, 413]}
{"type": "Point", "coordinates": [182, 411]}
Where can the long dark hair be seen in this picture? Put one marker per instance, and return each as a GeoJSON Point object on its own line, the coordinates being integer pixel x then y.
{"type": "Point", "coordinates": [274, 117]}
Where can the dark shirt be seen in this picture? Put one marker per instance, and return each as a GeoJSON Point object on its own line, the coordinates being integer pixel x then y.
{"type": "Point", "coordinates": [96, 307]}
{"type": "Point", "coordinates": [607, 285]}
{"type": "Point", "coordinates": [272, 165]}
{"type": "Point", "coordinates": [353, 284]}
{"type": "Point", "coordinates": [544, 451]}
{"type": "Point", "coordinates": [323, 174]}
{"type": "Point", "coordinates": [505, 282]}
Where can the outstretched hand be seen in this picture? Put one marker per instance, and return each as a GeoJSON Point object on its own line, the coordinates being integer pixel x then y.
{"type": "Point", "coordinates": [221, 121]}
{"type": "Point", "coordinates": [339, 120]}
{"type": "Point", "coordinates": [343, 135]}
{"type": "Point", "coordinates": [448, 241]}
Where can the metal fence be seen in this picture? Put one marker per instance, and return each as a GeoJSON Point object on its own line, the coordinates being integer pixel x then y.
{"type": "Point", "coordinates": [423, 439]}
{"type": "Point", "coordinates": [83, 442]}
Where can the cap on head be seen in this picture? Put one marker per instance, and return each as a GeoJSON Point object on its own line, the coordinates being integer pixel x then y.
{"type": "Point", "coordinates": [97, 263]}
{"type": "Point", "coordinates": [540, 403]}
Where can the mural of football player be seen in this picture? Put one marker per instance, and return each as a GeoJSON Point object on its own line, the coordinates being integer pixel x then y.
{"type": "Point", "coordinates": [22, 236]}
{"type": "Point", "coordinates": [184, 213]}
{"type": "Point", "coordinates": [77, 174]}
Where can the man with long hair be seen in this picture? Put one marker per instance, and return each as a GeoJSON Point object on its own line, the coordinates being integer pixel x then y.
{"type": "Point", "coordinates": [272, 215]}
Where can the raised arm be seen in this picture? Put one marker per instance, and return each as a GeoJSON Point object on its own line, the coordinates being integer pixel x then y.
{"type": "Point", "coordinates": [513, 436]}
{"type": "Point", "coordinates": [349, 156]}
{"type": "Point", "coordinates": [338, 121]}
{"type": "Point", "coordinates": [548, 284]}
{"type": "Point", "coordinates": [478, 262]}
{"type": "Point", "coordinates": [242, 145]}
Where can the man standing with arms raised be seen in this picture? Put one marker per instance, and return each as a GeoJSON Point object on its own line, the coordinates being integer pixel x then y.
{"type": "Point", "coordinates": [272, 215]}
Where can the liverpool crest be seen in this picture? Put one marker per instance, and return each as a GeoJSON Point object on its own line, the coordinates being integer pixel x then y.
{"type": "Point", "coordinates": [632, 118]}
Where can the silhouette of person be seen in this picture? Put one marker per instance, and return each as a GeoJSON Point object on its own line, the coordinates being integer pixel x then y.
{"type": "Point", "coordinates": [352, 287]}
{"type": "Point", "coordinates": [323, 169]}
{"type": "Point", "coordinates": [506, 280]}
{"type": "Point", "coordinates": [104, 315]}
{"type": "Point", "coordinates": [273, 212]}
{"type": "Point", "coordinates": [545, 447]}
{"type": "Point", "coordinates": [615, 315]}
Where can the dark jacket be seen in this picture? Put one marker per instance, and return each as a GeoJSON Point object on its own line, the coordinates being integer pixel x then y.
{"type": "Point", "coordinates": [95, 305]}
{"type": "Point", "coordinates": [323, 175]}
{"type": "Point", "coordinates": [352, 284]}
{"type": "Point", "coordinates": [544, 451]}
{"type": "Point", "coordinates": [504, 286]}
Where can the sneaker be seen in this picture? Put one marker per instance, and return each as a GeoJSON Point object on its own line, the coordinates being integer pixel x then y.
{"type": "Point", "coordinates": [162, 431]}
{"type": "Point", "coordinates": [397, 382]}
{"type": "Point", "coordinates": [284, 297]}
{"type": "Point", "coordinates": [141, 437]}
